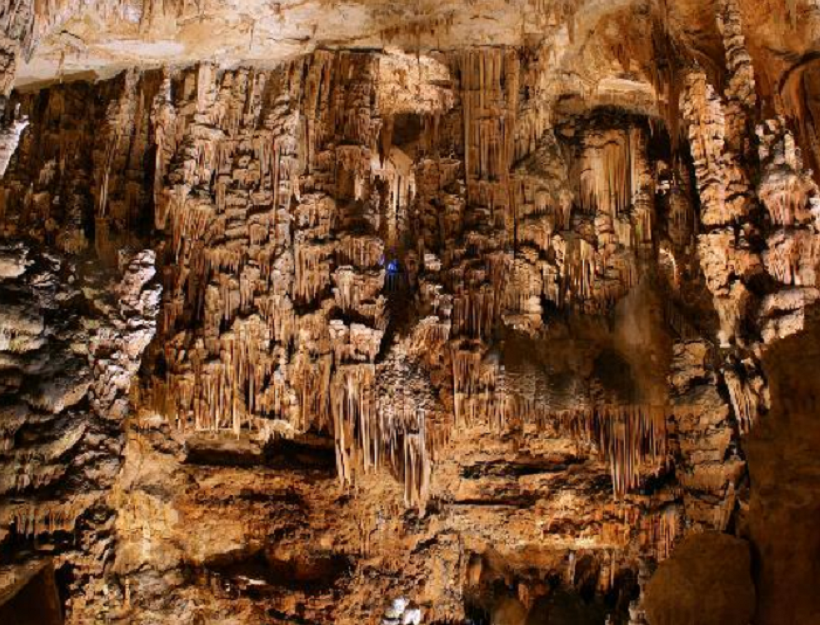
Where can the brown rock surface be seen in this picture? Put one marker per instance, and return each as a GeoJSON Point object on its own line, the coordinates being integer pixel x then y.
{"type": "Point", "coordinates": [375, 312]}
{"type": "Point", "coordinates": [785, 494]}
{"type": "Point", "coordinates": [707, 581]}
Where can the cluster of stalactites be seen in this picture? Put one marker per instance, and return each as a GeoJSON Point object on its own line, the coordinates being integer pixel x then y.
{"type": "Point", "coordinates": [353, 404]}
{"type": "Point", "coordinates": [314, 362]}
{"type": "Point", "coordinates": [607, 173]}
{"type": "Point", "coordinates": [587, 260]}
{"type": "Point", "coordinates": [748, 393]}
{"type": "Point", "coordinates": [661, 530]}
{"type": "Point", "coordinates": [474, 312]}
{"type": "Point", "coordinates": [415, 464]}
{"type": "Point", "coordinates": [397, 172]}
{"type": "Point", "coordinates": [224, 175]}
{"type": "Point", "coordinates": [792, 199]}
{"type": "Point", "coordinates": [489, 91]}
{"type": "Point", "coordinates": [579, 268]}
{"type": "Point", "coordinates": [475, 376]}
{"type": "Point", "coordinates": [32, 519]}
{"type": "Point", "coordinates": [740, 90]}
{"type": "Point", "coordinates": [629, 438]}
{"type": "Point", "coordinates": [726, 200]}
{"type": "Point", "coordinates": [370, 436]}
{"type": "Point", "coordinates": [306, 367]}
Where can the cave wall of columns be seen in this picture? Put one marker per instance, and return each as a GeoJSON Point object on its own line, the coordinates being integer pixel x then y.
{"type": "Point", "coordinates": [382, 336]}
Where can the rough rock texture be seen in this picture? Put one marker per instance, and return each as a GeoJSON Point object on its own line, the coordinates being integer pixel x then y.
{"type": "Point", "coordinates": [72, 339]}
{"type": "Point", "coordinates": [708, 581]}
{"type": "Point", "coordinates": [785, 494]}
{"type": "Point", "coordinates": [434, 312]}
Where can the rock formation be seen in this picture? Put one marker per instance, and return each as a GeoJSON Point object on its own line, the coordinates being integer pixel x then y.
{"type": "Point", "coordinates": [452, 312]}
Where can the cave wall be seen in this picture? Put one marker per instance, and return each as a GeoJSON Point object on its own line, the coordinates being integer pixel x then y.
{"type": "Point", "coordinates": [298, 344]}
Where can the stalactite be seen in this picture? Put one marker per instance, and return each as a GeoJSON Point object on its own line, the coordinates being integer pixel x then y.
{"type": "Point", "coordinates": [9, 140]}
{"type": "Point", "coordinates": [473, 313]}
{"type": "Point", "coordinates": [580, 269]}
{"type": "Point", "coordinates": [629, 438]}
{"type": "Point", "coordinates": [746, 400]}
{"type": "Point", "coordinates": [607, 173]}
{"type": "Point", "coordinates": [31, 521]}
{"type": "Point", "coordinates": [355, 426]}
{"type": "Point", "coordinates": [661, 530]}
{"type": "Point", "coordinates": [643, 190]}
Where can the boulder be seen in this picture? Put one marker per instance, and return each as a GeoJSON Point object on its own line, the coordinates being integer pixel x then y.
{"type": "Point", "coordinates": [707, 581]}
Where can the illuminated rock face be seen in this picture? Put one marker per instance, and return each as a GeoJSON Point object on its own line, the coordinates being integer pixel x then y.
{"type": "Point", "coordinates": [365, 313]}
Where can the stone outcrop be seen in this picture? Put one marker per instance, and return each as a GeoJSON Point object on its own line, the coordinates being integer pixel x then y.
{"type": "Point", "coordinates": [708, 581]}
{"type": "Point", "coordinates": [72, 340]}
